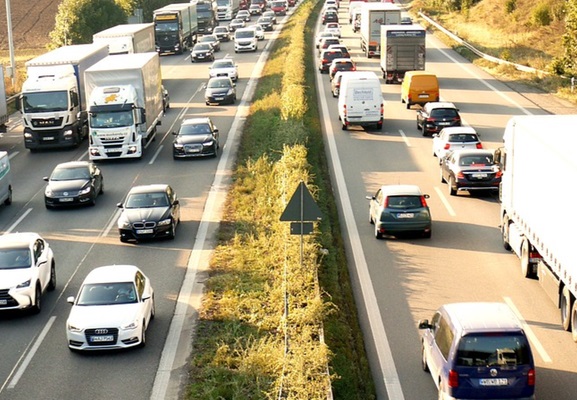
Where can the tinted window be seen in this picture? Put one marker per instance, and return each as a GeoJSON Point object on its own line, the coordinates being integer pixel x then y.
{"type": "Point", "coordinates": [492, 349]}
{"type": "Point", "coordinates": [444, 113]}
{"type": "Point", "coordinates": [476, 160]}
{"type": "Point", "coordinates": [444, 338]}
{"type": "Point", "coordinates": [403, 202]}
{"type": "Point", "coordinates": [462, 137]}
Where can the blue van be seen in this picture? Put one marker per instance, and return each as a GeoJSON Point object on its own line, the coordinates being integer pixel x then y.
{"type": "Point", "coordinates": [478, 351]}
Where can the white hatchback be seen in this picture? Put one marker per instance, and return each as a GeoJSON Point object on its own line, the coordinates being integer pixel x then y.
{"type": "Point", "coordinates": [224, 67]}
{"type": "Point", "coordinates": [334, 28]}
{"type": "Point", "coordinates": [113, 309]}
{"type": "Point", "coordinates": [455, 138]}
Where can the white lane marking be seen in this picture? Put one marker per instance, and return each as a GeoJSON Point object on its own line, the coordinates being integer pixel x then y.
{"type": "Point", "coordinates": [445, 202]}
{"type": "Point", "coordinates": [384, 354]}
{"type": "Point", "coordinates": [15, 224]}
{"type": "Point", "coordinates": [211, 213]}
{"type": "Point", "coordinates": [31, 353]}
{"type": "Point", "coordinates": [155, 154]}
{"type": "Point", "coordinates": [111, 223]}
{"type": "Point", "coordinates": [529, 332]}
{"type": "Point", "coordinates": [405, 138]}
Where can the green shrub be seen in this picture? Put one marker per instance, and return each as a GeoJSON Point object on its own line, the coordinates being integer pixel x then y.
{"type": "Point", "coordinates": [541, 14]}
{"type": "Point", "coordinates": [510, 6]}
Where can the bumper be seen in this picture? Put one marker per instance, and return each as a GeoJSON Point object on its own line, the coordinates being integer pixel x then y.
{"type": "Point", "coordinates": [362, 121]}
{"type": "Point", "coordinates": [16, 299]}
{"type": "Point", "coordinates": [120, 339]}
{"type": "Point", "coordinates": [67, 137]}
{"type": "Point", "coordinates": [471, 187]}
{"type": "Point", "coordinates": [219, 100]}
{"type": "Point", "coordinates": [110, 153]}
{"type": "Point", "coordinates": [194, 151]}
{"type": "Point", "coordinates": [238, 47]}
{"type": "Point", "coordinates": [68, 201]}
{"type": "Point", "coordinates": [404, 227]}
{"type": "Point", "coordinates": [140, 234]}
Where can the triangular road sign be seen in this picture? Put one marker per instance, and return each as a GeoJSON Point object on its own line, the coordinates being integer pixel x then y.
{"type": "Point", "coordinates": [301, 206]}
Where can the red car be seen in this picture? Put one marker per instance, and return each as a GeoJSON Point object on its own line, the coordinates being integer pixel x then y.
{"type": "Point", "coordinates": [279, 7]}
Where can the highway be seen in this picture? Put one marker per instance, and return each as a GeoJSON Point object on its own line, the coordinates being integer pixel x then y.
{"type": "Point", "coordinates": [397, 282]}
{"type": "Point", "coordinates": [36, 362]}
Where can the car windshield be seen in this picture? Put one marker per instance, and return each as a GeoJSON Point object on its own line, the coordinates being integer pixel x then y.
{"type": "Point", "coordinates": [146, 200]}
{"type": "Point", "coordinates": [194, 129]}
{"type": "Point", "coordinates": [244, 34]}
{"type": "Point", "coordinates": [201, 47]}
{"type": "Point", "coordinates": [463, 137]}
{"type": "Point", "coordinates": [220, 29]}
{"type": "Point", "coordinates": [493, 349]}
{"type": "Point", "coordinates": [99, 294]}
{"type": "Point", "coordinates": [69, 174]}
{"type": "Point", "coordinates": [15, 258]}
{"type": "Point", "coordinates": [404, 202]}
{"type": "Point", "coordinates": [476, 160]}
{"type": "Point", "coordinates": [223, 64]}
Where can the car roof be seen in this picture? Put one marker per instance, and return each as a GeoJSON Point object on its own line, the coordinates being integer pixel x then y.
{"type": "Point", "coordinates": [399, 190]}
{"type": "Point", "coordinates": [73, 164]}
{"type": "Point", "coordinates": [471, 317]}
{"type": "Point", "coordinates": [459, 129]}
{"type": "Point", "coordinates": [194, 121]}
{"type": "Point", "coordinates": [439, 104]}
{"type": "Point", "coordinates": [17, 239]}
{"type": "Point", "coordinates": [158, 187]}
{"type": "Point", "coordinates": [111, 273]}
{"type": "Point", "coordinates": [472, 152]}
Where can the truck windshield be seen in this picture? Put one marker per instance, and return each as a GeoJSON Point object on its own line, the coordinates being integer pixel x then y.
{"type": "Point", "coordinates": [222, 2]}
{"type": "Point", "coordinates": [166, 27]}
{"type": "Point", "coordinates": [111, 119]}
{"type": "Point", "coordinates": [45, 101]}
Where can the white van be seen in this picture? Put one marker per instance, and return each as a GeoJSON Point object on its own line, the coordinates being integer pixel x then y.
{"type": "Point", "coordinates": [361, 100]}
{"type": "Point", "coordinates": [245, 40]}
{"type": "Point", "coordinates": [5, 179]}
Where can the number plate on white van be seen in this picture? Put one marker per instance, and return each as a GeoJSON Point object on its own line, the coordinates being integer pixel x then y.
{"type": "Point", "coordinates": [494, 382]}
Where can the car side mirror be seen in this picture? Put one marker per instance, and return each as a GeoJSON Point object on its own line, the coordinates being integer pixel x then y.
{"type": "Point", "coordinates": [370, 197]}
{"type": "Point", "coordinates": [70, 299]}
{"type": "Point", "coordinates": [174, 133]}
{"type": "Point", "coordinates": [46, 178]}
{"type": "Point", "coordinates": [435, 135]}
{"type": "Point", "coordinates": [119, 205]}
{"type": "Point", "coordinates": [424, 324]}
{"type": "Point", "coordinates": [215, 130]}
{"type": "Point", "coordinates": [175, 202]}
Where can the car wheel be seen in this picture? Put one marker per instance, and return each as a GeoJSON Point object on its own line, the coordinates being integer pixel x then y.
{"type": "Point", "coordinates": [52, 282]}
{"type": "Point", "coordinates": [428, 234]}
{"type": "Point", "coordinates": [442, 177]}
{"type": "Point", "coordinates": [37, 300]}
{"type": "Point", "coordinates": [505, 233]}
{"type": "Point", "coordinates": [379, 125]}
{"type": "Point", "coordinates": [343, 125]}
{"type": "Point", "coordinates": [93, 200]}
{"type": "Point", "coordinates": [418, 126]}
{"type": "Point", "coordinates": [123, 239]}
{"type": "Point", "coordinates": [172, 232]}
{"type": "Point", "coordinates": [8, 200]}
{"type": "Point", "coordinates": [143, 336]}
{"type": "Point", "coordinates": [424, 358]}
{"type": "Point", "coordinates": [452, 189]}
{"type": "Point", "coordinates": [565, 307]}
{"type": "Point", "coordinates": [441, 394]}
{"type": "Point", "coordinates": [574, 321]}
{"type": "Point", "coordinates": [378, 234]}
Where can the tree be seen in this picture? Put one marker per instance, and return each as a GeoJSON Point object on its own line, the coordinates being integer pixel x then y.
{"type": "Point", "coordinates": [77, 20]}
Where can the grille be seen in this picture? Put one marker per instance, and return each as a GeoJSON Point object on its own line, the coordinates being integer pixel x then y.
{"type": "Point", "coordinates": [146, 224]}
{"type": "Point", "coordinates": [101, 332]}
{"type": "Point", "coordinates": [5, 297]}
{"type": "Point", "coordinates": [46, 123]}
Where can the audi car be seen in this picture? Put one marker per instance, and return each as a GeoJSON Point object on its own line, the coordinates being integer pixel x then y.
{"type": "Point", "coordinates": [196, 137]}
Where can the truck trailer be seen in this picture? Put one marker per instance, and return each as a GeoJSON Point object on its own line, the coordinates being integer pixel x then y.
{"type": "Point", "coordinates": [206, 16]}
{"type": "Point", "coordinates": [538, 161]}
{"type": "Point", "coordinates": [403, 49]}
{"type": "Point", "coordinates": [127, 38]}
{"type": "Point", "coordinates": [124, 105]}
{"type": "Point", "coordinates": [175, 27]}
{"type": "Point", "coordinates": [53, 102]}
{"type": "Point", "coordinates": [373, 15]}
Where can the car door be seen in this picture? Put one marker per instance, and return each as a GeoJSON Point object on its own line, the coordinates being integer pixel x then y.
{"type": "Point", "coordinates": [41, 262]}
{"type": "Point", "coordinates": [440, 346]}
{"type": "Point", "coordinates": [375, 206]}
{"type": "Point", "coordinates": [175, 205]}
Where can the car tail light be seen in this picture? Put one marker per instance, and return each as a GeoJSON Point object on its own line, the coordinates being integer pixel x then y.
{"type": "Point", "coordinates": [447, 146]}
{"type": "Point", "coordinates": [354, 68]}
{"type": "Point", "coordinates": [430, 119]}
{"type": "Point", "coordinates": [382, 109]}
{"type": "Point", "coordinates": [531, 377]}
{"type": "Point", "coordinates": [345, 110]}
{"type": "Point", "coordinates": [458, 120]}
{"type": "Point", "coordinates": [479, 145]}
{"type": "Point", "coordinates": [423, 201]}
{"type": "Point", "coordinates": [386, 202]}
{"type": "Point", "coordinates": [409, 99]}
{"type": "Point", "coordinates": [453, 379]}
{"type": "Point", "coordinates": [498, 174]}
{"type": "Point", "coordinates": [460, 175]}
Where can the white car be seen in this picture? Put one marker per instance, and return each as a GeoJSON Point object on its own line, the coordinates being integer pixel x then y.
{"type": "Point", "coordinates": [258, 31]}
{"type": "Point", "coordinates": [113, 308]}
{"type": "Point", "coordinates": [224, 67]}
{"type": "Point", "coordinates": [455, 138]}
{"type": "Point", "coordinates": [334, 28]}
{"type": "Point", "coordinates": [27, 270]}
{"type": "Point", "coordinates": [321, 35]}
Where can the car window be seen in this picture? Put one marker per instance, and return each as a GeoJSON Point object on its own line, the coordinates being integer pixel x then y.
{"type": "Point", "coordinates": [463, 137]}
{"type": "Point", "coordinates": [403, 202]}
{"type": "Point", "coordinates": [444, 113]}
{"type": "Point", "coordinates": [15, 258]}
{"type": "Point", "coordinates": [444, 338]}
{"type": "Point", "coordinates": [492, 349]}
{"type": "Point", "coordinates": [195, 129]}
{"type": "Point", "coordinates": [476, 160]}
{"type": "Point", "coordinates": [66, 174]}
{"type": "Point", "coordinates": [144, 200]}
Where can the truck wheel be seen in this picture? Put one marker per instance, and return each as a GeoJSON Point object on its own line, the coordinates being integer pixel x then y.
{"type": "Point", "coordinates": [566, 303]}
{"type": "Point", "coordinates": [574, 321]}
{"type": "Point", "coordinates": [343, 126]}
{"type": "Point", "coordinates": [8, 200]}
{"type": "Point", "coordinates": [526, 267]}
{"type": "Point", "coordinates": [505, 233]}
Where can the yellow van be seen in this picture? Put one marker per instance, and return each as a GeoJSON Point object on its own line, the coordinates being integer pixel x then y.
{"type": "Point", "coordinates": [419, 87]}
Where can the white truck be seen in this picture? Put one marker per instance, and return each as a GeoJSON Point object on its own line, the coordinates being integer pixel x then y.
{"type": "Point", "coordinates": [538, 161]}
{"type": "Point", "coordinates": [373, 15]}
{"type": "Point", "coordinates": [403, 49]}
{"type": "Point", "coordinates": [175, 27]}
{"type": "Point", "coordinates": [53, 102]}
{"type": "Point", "coordinates": [226, 9]}
{"type": "Point", "coordinates": [4, 116]}
{"type": "Point", "coordinates": [124, 105]}
{"type": "Point", "coordinates": [127, 38]}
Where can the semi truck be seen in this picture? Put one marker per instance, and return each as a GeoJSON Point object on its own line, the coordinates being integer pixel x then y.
{"type": "Point", "coordinates": [373, 15]}
{"type": "Point", "coordinates": [226, 9]}
{"type": "Point", "coordinates": [127, 38]}
{"type": "Point", "coordinates": [206, 16]}
{"type": "Point", "coordinates": [4, 116]}
{"type": "Point", "coordinates": [403, 49]}
{"type": "Point", "coordinates": [53, 101]}
{"type": "Point", "coordinates": [175, 27]}
{"type": "Point", "coordinates": [124, 105]}
{"type": "Point", "coordinates": [538, 162]}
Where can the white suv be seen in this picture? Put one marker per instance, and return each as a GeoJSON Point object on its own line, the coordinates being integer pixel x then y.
{"type": "Point", "coordinates": [245, 40]}
{"type": "Point", "coordinates": [27, 270]}
{"type": "Point", "coordinates": [224, 67]}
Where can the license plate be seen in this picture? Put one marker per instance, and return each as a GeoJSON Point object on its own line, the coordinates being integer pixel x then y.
{"type": "Point", "coordinates": [144, 231]}
{"type": "Point", "coordinates": [3, 302]}
{"type": "Point", "coordinates": [494, 382]}
{"type": "Point", "coordinates": [192, 150]}
{"type": "Point", "coordinates": [479, 176]}
{"type": "Point", "coordinates": [444, 123]}
{"type": "Point", "coordinates": [219, 98]}
{"type": "Point", "coordinates": [66, 199]}
{"type": "Point", "coordinates": [111, 150]}
{"type": "Point", "coordinates": [406, 215]}
{"type": "Point", "coordinates": [48, 137]}
{"type": "Point", "coordinates": [104, 338]}
{"type": "Point", "coordinates": [423, 96]}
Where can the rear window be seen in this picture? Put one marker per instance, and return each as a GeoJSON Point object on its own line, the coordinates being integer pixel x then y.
{"type": "Point", "coordinates": [444, 113]}
{"type": "Point", "coordinates": [493, 349]}
{"type": "Point", "coordinates": [403, 202]}
{"type": "Point", "coordinates": [463, 138]}
{"type": "Point", "coordinates": [476, 160]}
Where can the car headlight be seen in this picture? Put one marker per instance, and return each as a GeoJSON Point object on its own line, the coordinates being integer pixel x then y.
{"type": "Point", "coordinates": [229, 92]}
{"type": "Point", "coordinates": [165, 222]}
{"type": "Point", "coordinates": [85, 190]}
{"type": "Point", "coordinates": [48, 192]}
{"type": "Point", "coordinates": [208, 143]}
{"type": "Point", "coordinates": [73, 328]}
{"type": "Point", "coordinates": [130, 325]}
{"type": "Point", "coordinates": [178, 146]}
{"type": "Point", "coordinates": [24, 284]}
{"type": "Point", "coordinates": [123, 223]}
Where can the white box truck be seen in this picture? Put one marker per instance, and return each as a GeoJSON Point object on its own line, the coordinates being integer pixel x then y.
{"type": "Point", "coordinates": [226, 9]}
{"type": "Point", "coordinates": [373, 15]}
{"type": "Point", "coordinates": [403, 49]}
{"type": "Point", "coordinates": [4, 116]}
{"type": "Point", "coordinates": [360, 100]}
{"type": "Point", "coordinates": [124, 105]}
{"type": "Point", "coordinates": [127, 38]}
{"type": "Point", "coordinates": [538, 162]}
{"type": "Point", "coordinates": [53, 102]}
{"type": "Point", "coordinates": [175, 27]}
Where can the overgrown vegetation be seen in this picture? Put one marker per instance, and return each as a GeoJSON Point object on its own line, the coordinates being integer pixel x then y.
{"type": "Point", "coordinates": [245, 346]}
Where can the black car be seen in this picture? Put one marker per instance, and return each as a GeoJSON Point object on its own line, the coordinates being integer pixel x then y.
{"type": "Point", "coordinates": [330, 16]}
{"type": "Point", "coordinates": [149, 212]}
{"type": "Point", "coordinates": [221, 32]}
{"type": "Point", "coordinates": [470, 170]}
{"type": "Point", "coordinates": [326, 58]}
{"type": "Point", "coordinates": [212, 40]}
{"type": "Point", "coordinates": [202, 52]}
{"type": "Point", "coordinates": [196, 137]}
{"type": "Point", "coordinates": [266, 23]}
{"type": "Point", "coordinates": [73, 183]}
{"type": "Point", "coordinates": [437, 115]}
{"type": "Point", "coordinates": [220, 90]}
